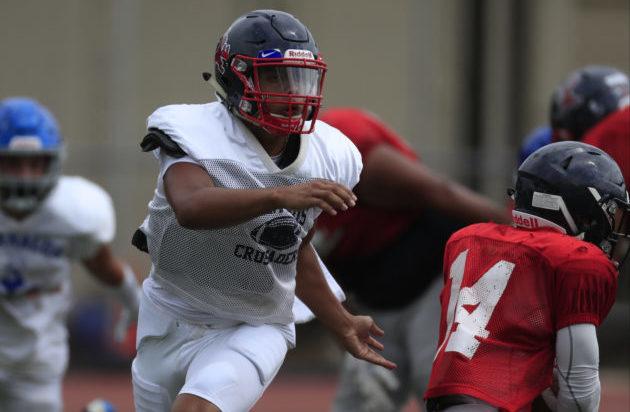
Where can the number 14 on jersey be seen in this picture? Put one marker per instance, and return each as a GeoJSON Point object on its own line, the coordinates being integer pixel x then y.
{"type": "Point", "coordinates": [483, 296]}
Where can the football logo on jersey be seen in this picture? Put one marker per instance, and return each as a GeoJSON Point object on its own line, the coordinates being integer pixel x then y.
{"type": "Point", "coordinates": [279, 233]}
{"type": "Point", "coordinates": [12, 279]}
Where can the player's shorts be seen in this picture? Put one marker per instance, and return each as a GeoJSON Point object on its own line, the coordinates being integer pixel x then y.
{"type": "Point", "coordinates": [227, 366]}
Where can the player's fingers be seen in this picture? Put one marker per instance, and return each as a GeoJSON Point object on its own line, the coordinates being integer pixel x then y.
{"type": "Point", "coordinates": [341, 191]}
{"type": "Point", "coordinates": [376, 330]}
{"type": "Point", "coordinates": [324, 206]}
{"type": "Point", "coordinates": [374, 343]}
{"type": "Point", "coordinates": [346, 194]}
{"type": "Point", "coordinates": [331, 199]}
{"type": "Point", "coordinates": [377, 359]}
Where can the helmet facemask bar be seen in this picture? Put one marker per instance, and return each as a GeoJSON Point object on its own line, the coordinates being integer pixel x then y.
{"type": "Point", "coordinates": [23, 194]}
{"type": "Point", "coordinates": [280, 94]}
{"type": "Point", "coordinates": [616, 243]}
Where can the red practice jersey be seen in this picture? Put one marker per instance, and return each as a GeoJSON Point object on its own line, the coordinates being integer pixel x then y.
{"type": "Point", "coordinates": [506, 292]}
{"type": "Point", "coordinates": [363, 230]}
{"type": "Point", "coordinates": [612, 135]}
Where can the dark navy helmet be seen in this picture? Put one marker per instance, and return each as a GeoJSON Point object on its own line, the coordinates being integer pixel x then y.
{"type": "Point", "coordinates": [577, 187]}
{"type": "Point", "coordinates": [29, 136]}
{"type": "Point", "coordinates": [268, 71]}
{"type": "Point", "coordinates": [587, 96]}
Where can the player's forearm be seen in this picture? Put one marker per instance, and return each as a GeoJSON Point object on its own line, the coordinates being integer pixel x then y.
{"type": "Point", "coordinates": [214, 207]}
{"type": "Point", "coordinates": [118, 275]}
{"type": "Point", "coordinates": [472, 207]}
{"type": "Point", "coordinates": [312, 289]}
{"type": "Point", "coordinates": [394, 182]}
{"type": "Point", "coordinates": [577, 355]}
{"type": "Point", "coordinates": [105, 267]}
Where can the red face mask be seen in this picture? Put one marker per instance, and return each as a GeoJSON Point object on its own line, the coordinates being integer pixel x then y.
{"type": "Point", "coordinates": [281, 94]}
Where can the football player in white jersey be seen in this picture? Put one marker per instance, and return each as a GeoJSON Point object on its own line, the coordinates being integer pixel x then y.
{"type": "Point", "coordinates": [241, 183]}
{"type": "Point", "coordinates": [46, 220]}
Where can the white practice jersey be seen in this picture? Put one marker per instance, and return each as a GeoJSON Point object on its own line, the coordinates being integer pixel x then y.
{"type": "Point", "coordinates": [246, 272]}
{"type": "Point", "coordinates": [35, 258]}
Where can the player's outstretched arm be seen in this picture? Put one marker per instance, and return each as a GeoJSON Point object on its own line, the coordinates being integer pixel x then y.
{"type": "Point", "coordinates": [199, 204]}
{"type": "Point", "coordinates": [392, 181]}
{"type": "Point", "coordinates": [120, 277]}
{"type": "Point", "coordinates": [355, 333]}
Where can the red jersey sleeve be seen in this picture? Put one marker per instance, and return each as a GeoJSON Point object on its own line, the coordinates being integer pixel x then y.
{"type": "Point", "coordinates": [585, 288]}
{"type": "Point", "coordinates": [365, 130]}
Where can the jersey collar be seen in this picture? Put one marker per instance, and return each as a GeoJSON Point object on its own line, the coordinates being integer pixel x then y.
{"type": "Point", "coordinates": [264, 156]}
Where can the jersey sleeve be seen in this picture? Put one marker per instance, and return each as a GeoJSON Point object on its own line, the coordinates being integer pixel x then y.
{"type": "Point", "coordinates": [352, 167]}
{"type": "Point", "coordinates": [365, 130]}
{"type": "Point", "coordinates": [585, 289]}
{"type": "Point", "coordinates": [342, 159]}
{"type": "Point", "coordinates": [94, 218]}
{"type": "Point", "coordinates": [181, 123]}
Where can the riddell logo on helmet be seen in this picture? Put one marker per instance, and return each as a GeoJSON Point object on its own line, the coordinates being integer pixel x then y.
{"type": "Point", "coordinates": [298, 54]}
{"type": "Point", "coordinates": [525, 221]}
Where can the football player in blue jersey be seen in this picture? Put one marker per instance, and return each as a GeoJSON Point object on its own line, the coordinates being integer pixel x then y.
{"type": "Point", "coordinates": [46, 221]}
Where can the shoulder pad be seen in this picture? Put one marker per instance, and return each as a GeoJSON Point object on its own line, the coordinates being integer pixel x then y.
{"type": "Point", "coordinates": [139, 240]}
{"type": "Point", "coordinates": [156, 138]}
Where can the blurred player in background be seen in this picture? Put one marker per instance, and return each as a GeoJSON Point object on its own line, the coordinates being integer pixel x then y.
{"type": "Point", "coordinates": [518, 297]}
{"type": "Point", "coordinates": [241, 183]}
{"type": "Point", "coordinates": [46, 220]}
{"type": "Point", "coordinates": [387, 252]}
{"type": "Point", "coordinates": [612, 135]}
{"type": "Point", "coordinates": [585, 98]}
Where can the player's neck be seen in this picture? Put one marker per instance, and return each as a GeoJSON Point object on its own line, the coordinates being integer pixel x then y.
{"type": "Point", "coordinates": [273, 144]}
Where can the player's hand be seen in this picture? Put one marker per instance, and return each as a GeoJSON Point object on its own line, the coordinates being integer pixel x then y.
{"type": "Point", "coordinates": [358, 339]}
{"type": "Point", "coordinates": [327, 195]}
{"type": "Point", "coordinates": [122, 325]}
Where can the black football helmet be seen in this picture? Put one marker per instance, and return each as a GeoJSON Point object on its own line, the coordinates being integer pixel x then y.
{"type": "Point", "coordinates": [587, 96]}
{"type": "Point", "coordinates": [579, 188]}
{"type": "Point", "coordinates": [268, 71]}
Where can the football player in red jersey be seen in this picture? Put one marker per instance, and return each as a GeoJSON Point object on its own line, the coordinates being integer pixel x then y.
{"type": "Point", "coordinates": [588, 96]}
{"type": "Point", "coordinates": [612, 135]}
{"type": "Point", "coordinates": [516, 298]}
{"type": "Point", "coordinates": [387, 253]}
